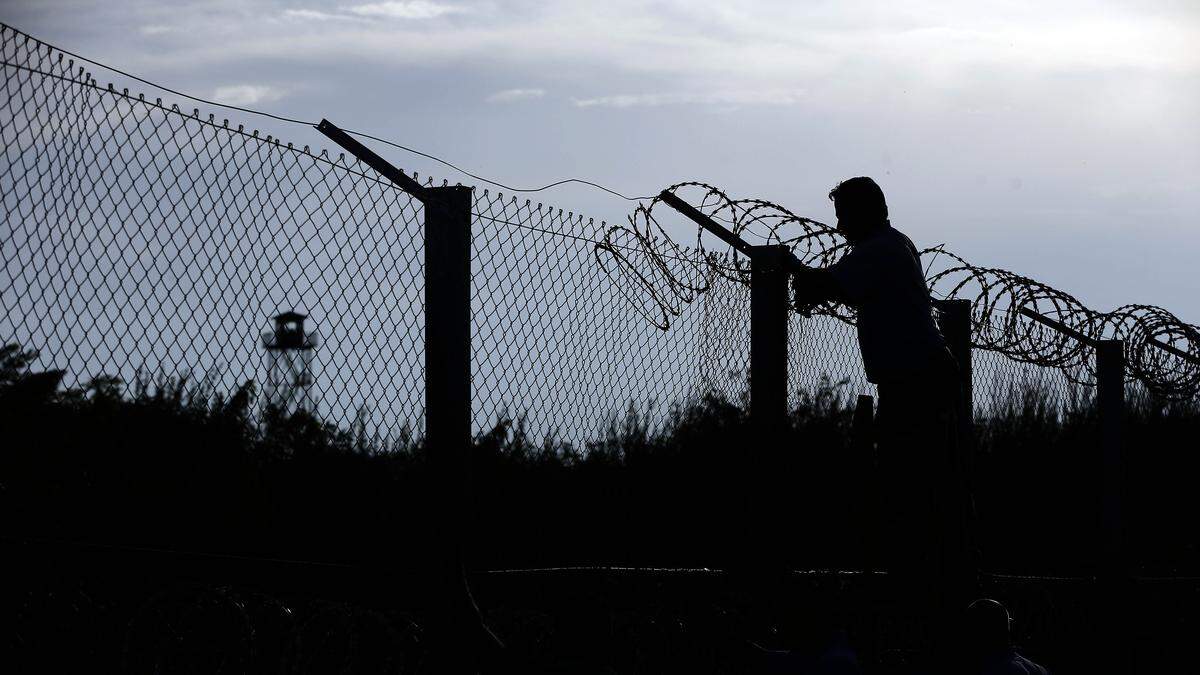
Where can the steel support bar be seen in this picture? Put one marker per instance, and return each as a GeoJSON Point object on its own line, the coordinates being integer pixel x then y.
{"type": "Point", "coordinates": [1190, 358]}
{"type": "Point", "coordinates": [366, 156]}
{"type": "Point", "coordinates": [722, 232]}
{"type": "Point", "coordinates": [1058, 326]}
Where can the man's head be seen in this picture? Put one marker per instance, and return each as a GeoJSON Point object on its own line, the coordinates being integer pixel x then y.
{"type": "Point", "coordinates": [987, 625]}
{"type": "Point", "coordinates": [860, 207]}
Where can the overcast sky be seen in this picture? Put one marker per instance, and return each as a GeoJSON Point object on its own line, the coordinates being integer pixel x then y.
{"type": "Point", "coordinates": [1056, 139]}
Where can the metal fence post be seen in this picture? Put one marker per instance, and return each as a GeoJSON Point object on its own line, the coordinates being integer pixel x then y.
{"type": "Point", "coordinates": [1110, 404]}
{"type": "Point", "coordinates": [448, 417]}
{"type": "Point", "coordinates": [862, 425]}
{"type": "Point", "coordinates": [1114, 574]}
{"type": "Point", "coordinates": [448, 334]}
{"type": "Point", "coordinates": [459, 634]}
{"type": "Point", "coordinates": [956, 327]}
{"type": "Point", "coordinates": [769, 313]}
{"type": "Point", "coordinates": [862, 442]}
{"type": "Point", "coordinates": [765, 502]}
{"type": "Point", "coordinates": [957, 466]}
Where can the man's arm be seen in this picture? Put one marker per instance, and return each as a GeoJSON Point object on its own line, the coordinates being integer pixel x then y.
{"type": "Point", "coordinates": [815, 285]}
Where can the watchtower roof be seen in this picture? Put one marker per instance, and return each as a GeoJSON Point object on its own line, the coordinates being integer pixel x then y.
{"type": "Point", "coordinates": [290, 316]}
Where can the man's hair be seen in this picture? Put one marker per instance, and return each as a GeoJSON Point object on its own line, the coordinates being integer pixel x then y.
{"type": "Point", "coordinates": [861, 197]}
{"type": "Point", "coordinates": [987, 623]}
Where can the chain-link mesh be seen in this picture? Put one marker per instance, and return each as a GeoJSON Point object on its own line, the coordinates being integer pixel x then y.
{"type": "Point", "coordinates": [554, 342]}
{"type": "Point", "coordinates": [144, 242]}
{"type": "Point", "coordinates": [823, 353]}
{"type": "Point", "coordinates": [1001, 384]}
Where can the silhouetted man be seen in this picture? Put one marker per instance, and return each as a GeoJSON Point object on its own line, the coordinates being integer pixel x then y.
{"type": "Point", "coordinates": [988, 644]}
{"type": "Point", "coordinates": [904, 353]}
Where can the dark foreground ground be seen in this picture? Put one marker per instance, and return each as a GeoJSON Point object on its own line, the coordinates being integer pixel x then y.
{"type": "Point", "coordinates": [72, 609]}
{"type": "Point", "coordinates": [163, 468]}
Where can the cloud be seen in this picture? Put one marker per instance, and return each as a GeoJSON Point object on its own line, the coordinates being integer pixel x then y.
{"type": "Point", "coordinates": [511, 95]}
{"type": "Point", "coordinates": [247, 94]}
{"type": "Point", "coordinates": [704, 43]}
{"type": "Point", "coordinates": [312, 15]}
{"type": "Point", "coordinates": [155, 29]}
{"type": "Point", "coordinates": [722, 98]}
{"type": "Point", "coordinates": [403, 9]}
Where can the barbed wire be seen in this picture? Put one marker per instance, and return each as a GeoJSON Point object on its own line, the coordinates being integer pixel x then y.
{"type": "Point", "coordinates": [997, 296]}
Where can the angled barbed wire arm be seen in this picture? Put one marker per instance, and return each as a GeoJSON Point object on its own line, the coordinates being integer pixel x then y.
{"type": "Point", "coordinates": [1175, 351]}
{"type": "Point", "coordinates": [723, 233]}
{"type": "Point", "coordinates": [368, 157]}
{"type": "Point", "coordinates": [1058, 326]}
{"type": "Point", "coordinates": [795, 267]}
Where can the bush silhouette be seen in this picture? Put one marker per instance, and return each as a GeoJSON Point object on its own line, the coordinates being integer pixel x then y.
{"type": "Point", "coordinates": [173, 464]}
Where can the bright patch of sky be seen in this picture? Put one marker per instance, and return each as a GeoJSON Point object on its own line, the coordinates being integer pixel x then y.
{"type": "Point", "coordinates": [246, 94]}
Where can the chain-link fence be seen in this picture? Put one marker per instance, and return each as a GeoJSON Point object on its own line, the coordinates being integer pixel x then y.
{"type": "Point", "coordinates": [145, 242]}
{"type": "Point", "coordinates": [555, 342]}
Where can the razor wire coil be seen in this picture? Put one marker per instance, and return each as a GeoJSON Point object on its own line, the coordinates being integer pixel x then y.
{"type": "Point", "coordinates": [997, 296]}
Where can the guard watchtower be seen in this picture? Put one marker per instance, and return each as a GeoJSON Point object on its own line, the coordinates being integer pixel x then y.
{"type": "Point", "coordinates": [289, 361]}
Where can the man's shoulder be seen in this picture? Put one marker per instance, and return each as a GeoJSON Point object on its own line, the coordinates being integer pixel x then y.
{"type": "Point", "coordinates": [1013, 663]}
{"type": "Point", "coordinates": [886, 248]}
{"type": "Point", "coordinates": [886, 238]}
{"type": "Point", "coordinates": [1029, 666]}
{"type": "Point", "coordinates": [897, 238]}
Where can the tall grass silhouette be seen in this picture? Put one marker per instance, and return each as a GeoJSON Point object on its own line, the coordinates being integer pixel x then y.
{"type": "Point", "coordinates": [170, 462]}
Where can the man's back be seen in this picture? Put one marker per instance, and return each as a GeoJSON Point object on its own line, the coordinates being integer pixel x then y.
{"type": "Point", "coordinates": [1009, 662]}
{"type": "Point", "coordinates": [882, 277]}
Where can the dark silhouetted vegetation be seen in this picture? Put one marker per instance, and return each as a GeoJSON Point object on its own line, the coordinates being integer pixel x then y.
{"type": "Point", "coordinates": [174, 464]}
{"type": "Point", "coordinates": [170, 465]}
